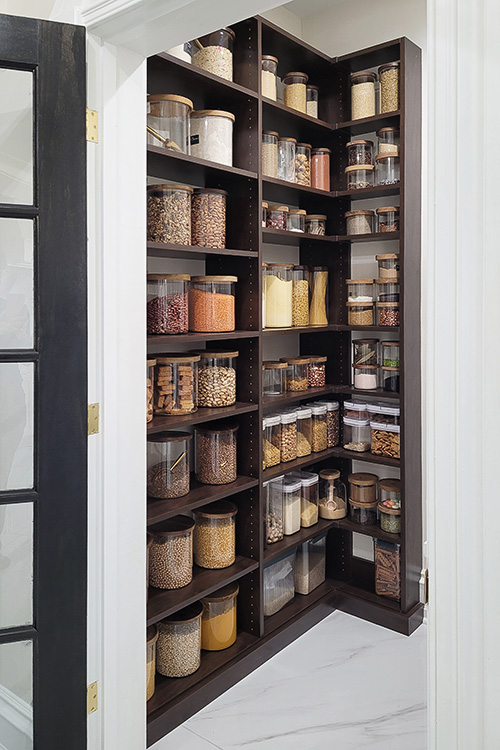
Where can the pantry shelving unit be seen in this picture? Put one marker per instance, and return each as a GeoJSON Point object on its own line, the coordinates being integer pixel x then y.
{"type": "Point", "coordinates": [350, 580]}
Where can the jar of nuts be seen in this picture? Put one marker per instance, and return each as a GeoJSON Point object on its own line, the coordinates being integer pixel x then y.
{"type": "Point", "coordinates": [295, 94]}
{"type": "Point", "coordinates": [179, 642]}
{"type": "Point", "coordinates": [217, 379]}
{"type": "Point", "coordinates": [176, 384]}
{"type": "Point", "coordinates": [332, 423]}
{"type": "Point", "coordinates": [296, 373]}
{"type": "Point", "coordinates": [288, 447]}
{"type": "Point", "coordinates": [273, 378]}
{"type": "Point", "coordinates": [300, 296]}
{"type": "Point", "coordinates": [214, 535]}
{"type": "Point", "coordinates": [171, 553]}
{"type": "Point", "coordinates": [208, 217]}
{"type": "Point", "coordinates": [319, 429]}
{"type": "Point", "coordinates": [271, 445]}
{"type": "Point", "coordinates": [167, 306]}
{"type": "Point", "coordinates": [169, 214]}
{"type": "Point", "coordinates": [216, 461]}
{"type": "Point", "coordinates": [273, 520]}
{"type": "Point", "coordinates": [360, 176]}
{"type": "Point", "coordinates": [303, 164]}
{"type": "Point", "coordinates": [168, 464]}
{"type": "Point", "coordinates": [316, 371]}
{"type": "Point", "coordinates": [304, 431]}
{"type": "Point", "coordinates": [151, 638]}
{"type": "Point", "coordinates": [150, 378]}
{"type": "Point", "coordinates": [211, 303]}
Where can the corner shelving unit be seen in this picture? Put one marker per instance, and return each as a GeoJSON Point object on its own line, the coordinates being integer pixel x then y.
{"type": "Point", "coordinates": [350, 580]}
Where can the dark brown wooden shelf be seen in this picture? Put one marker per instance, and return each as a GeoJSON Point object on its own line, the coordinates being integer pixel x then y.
{"type": "Point", "coordinates": [269, 403]}
{"type": "Point", "coordinates": [299, 329]}
{"type": "Point", "coordinates": [367, 456]}
{"type": "Point", "coordinates": [382, 329]}
{"type": "Point", "coordinates": [169, 250]}
{"type": "Point", "coordinates": [214, 84]}
{"type": "Point", "coordinates": [349, 589]}
{"type": "Point", "coordinates": [377, 393]}
{"type": "Point", "coordinates": [374, 531]}
{"type": "Point", "coordinates": [374, 237]}
{"type": "Point", "coordinates": [298, 463]}
{"type": "Point", "coordinates": [297, 606]}
{"type": "Point", "coordinates": [377, 191]}
{"type": "Point", "coordinates": [316, 124]}
{"type": "Point", "coordinates": [283, 237]}
{"type": "Point", "coordinates": [174, 422]}
{"type": "Point", "coordinates": [273, 551]}
{"type": "Point", "coordinates": [298, 189]}
{"type": "Point", "coordinates": [164, 603]}
{"type": "Point", "coordinates": [369, 124]}
{"type": "Point", "coordinates": [157, 155]}
{"type": "Point", "coordinates": [193, 338]}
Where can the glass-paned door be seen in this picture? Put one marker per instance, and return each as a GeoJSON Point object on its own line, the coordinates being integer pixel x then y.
{"type": "Point", "coordinates": [43, 386]}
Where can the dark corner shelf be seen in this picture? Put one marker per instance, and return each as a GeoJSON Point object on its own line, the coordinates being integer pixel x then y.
{"type": "Point", "coordinates": [282, 237]}
{"type": "Point", "coordinates": [172, 421]}
{"type": "Point", "coordinates": [367, 456]}
{"type": "Point", "coordinates": [294, 114]}
{"type": "Point", "coordinates": [285, 468]}
{"type": "Point", "coordinates": [169, 250]}
{"type": "Point", "coordinates": [273, 551]}
{"type": "Point", "coordinates": [299, 329]}
{"type": "Point", "coordinates": [157, 156]}
{"type": "Point", "coordinates": [375, 237]}
{"type": "Point", "coordinates": [269, 403]}
{"type": "Point", "coordinates": [193, 338]}
{"type": "Point", "coordinates": [377, 191]}
{"type": "Point", "coordinates": [293, 186]}
{"type": "Point", "coordinates": [374, 531]}
{"type": "Point", "coordinates": [348, 589]}
{"type": "Point", "coordinates": [376, 393]}
{"type": "Point", "coordinates": [369, 124]}
{"type": "Point", "coordinates": [208, 80]}
{"type": "Point", "coordinates": [298, 606]}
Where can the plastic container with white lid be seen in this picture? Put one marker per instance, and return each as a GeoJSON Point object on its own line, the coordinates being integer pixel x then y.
{"type": "Point", "coordinates": [288, 446]}
{"type": "Point", "coordinates": [319, 439]}
{"type": "Point", "coordinates": [304, 432]}
{"type": "Point", "coordinates": [332, 422]}
{"type": "Point", "coordinates": [310, 565]}
{"type": "Point", "coordinates": [355, 410]}
{"type": "Point", "coordinates": [356, 435]}
{"type": "Point", "coordinates": [384, 413]}
{"type": "Point", "coordinates": [309, 497]}
{"type": "Point", "coordinates": [279, 583]}
{"type": "Point", "coordinates": [385, 439]}
{"type": "Point", "coordinates": [273, 520]}
{"type": "Point", "coordinates": [212, 135]}
{"type": "Point", "coordinates": [168, 122]}
{"type": "Point", "coordinates": [271, 447]}
{"type": "Point", "coordinates": [291, 505]}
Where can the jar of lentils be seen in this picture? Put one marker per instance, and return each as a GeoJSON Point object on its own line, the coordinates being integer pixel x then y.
{"type": "Point", "coordinates": [179, 642]}
{"type": "Point", "coordinates": [303, 164]}
{"type": "Point", "coordinates": [270, 153]}
{"type": "Point", "coordinates": [217, 379]}
{"type": "Point", "coordinates": [208, 218]}
{"type": "Point", "coordinates": [359, 152]}
{"type": "Point", "coordinates": [169, 214]}
{"type": "Point", "coordinates": [176, 385]}
{"type": "Point", "coordinates": [288, 448]}
{"type": "Point", "coordinates": [216, 454]}
{"type": "Point", "coordinates": [362, 94]}
{"type": "Point", "coordinates": [316, 371]}
{"type": "Point", "coordinates": [389, 87]}
{"type": "Point", "coordinates": [359, 313]}
{"type": "Point", "coordinates": [296, 374]}
{"type": "Point", "coordinates": [359, 221]}
{"type": "Point", "coordinates": [171, 553]}
{"type": "Point", "coordinates": [168, 464]}
{"type": "Point", "coordinates": [319, 430]}
{"type": "Point", "coordinates": [295, 94]}
{"type": "Point", "coordinates": [211, 303]}
{"type": "Point", "coordinates": [214, 535]}
{"type": "Point", "coordinates": [167, 305]}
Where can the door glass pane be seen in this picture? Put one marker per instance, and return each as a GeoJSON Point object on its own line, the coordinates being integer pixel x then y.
{"type": "Point", "coordinates": [16, 565]}
{"type": "Point", "coordinates": [16, 284]}
{"type": "Point", "coordinates": [16, 136]}
{"type": "Point", "coordinates": [16, 687]}
{"type": "Point", "coordinates": [16, 425]}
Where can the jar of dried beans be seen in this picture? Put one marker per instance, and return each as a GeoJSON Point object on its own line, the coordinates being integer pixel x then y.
{"type": "Point", "coordinates": [169, 214]}
{"type": "Point", "coordinates": [359, 152]}
{"type": "Point", "coordinates": [332, 423]}
{"type": "Point", "coordinates": [312, 100]}
{"type": "Point", "coordinates": [362, 94]}
{"type": "Point", "coordinates": [176, 385]}
{"type": "Point", "coordinates": [295, 94]}
{"type": "Point", "coordinates": [356, 435]}
{"type": "Point", "coordinates": [168, 464]}
{"type": "Point", "coordinates": [304, 431]}
{"type": "Point", "coordinates": [273, 494]}
{"type": "Point", "coordinates": [388, 313]}
{"type": "Point", "coordinates": [214, 53]}
{"type": "Point", "coordinates": [388, 266]}
{"type": "Point", "coordinates": [168, 122]}
{"type": "Point", "coordinates": [271, 441]}
{"type": "Point", "coordinates": [171, 553]}
{"type": "Point", "coordinates": [215, 535]}
{"type": "Point", "coordinates": [387, 169]}
{"type": "Point", "coordinates": [390, 353]}
{"type": "Point", "coordinates": [270, 153]}
{"type": "Point", "coordinates": [359, 290]}
{"type": "Point", "coordinates": [387, 290]}
{"type": "Point", "coordinates": [274, 378]}
{"type": "Point", "coordinates": [296, 373]}
{"type": "Point", "coordinates": [388, 219]}
{"type": "Point", "coordinates": [310, 565]}
{"type": "Point", "coordinates": [286, 159]}
{"type": "Point", "coordinates": [360, 313]}
{"type": "Point", "coordinates": [363, 513]}
{"type": "Point", "coordinates": [365, 351]}
{"type": "Point", "coordinates": [288, 447]}
{"type": "Point", "coordinates": [389, 87]}
{"type": "Point", "coordinates": [269, 76]}
{"type": "Point", "coordinates": [217, 379]}
{"type": "Point", "coordinates": [211, 303]}
{"type": "Point", "coordinates": [320, 168]}
{"type": "Point", "coordinates": [316, 224]}
{"type": "Point", "coordinates": [332, 495]}
{"type": "Point", "coordinates": [216, 454]}
{"type": "Point", "coordinates": [318, 310]}
{"type": "Point", "coordinates": [316, 371]}
{"type": "Point", "coordinates": [218, 621]}
{"type": "Point", "coordinates": [303, 164]}
{"type": "Point", "coordinates": [300, 296]}
{"type": "Point", "coordinates": [388, 140]}
{"type": "Point", "coordinates": [279, 295]}
{"type": "Point", "coordinates": [151, 638]}
{"type": "Point", "coordinates": [212, 135]}
{"type": "Point", "coordinates": [319, 429]}
{"type": "Point", "coordinates": [277, 217]}
{"type": "Point", "coordinates": [179, 642]}
{"type": "Point", "coordinates": [296, 220]}
{"type": "Point", "coordinates": [359, 177]}
{"type": "Point", "coordinates": [167, 307]}
{"type": "Point", "coordinates": [360, 222]}
{"type": "Point", "coordinates": [150, 378]}
{"type": "Point", "coordinates": [208, 218]}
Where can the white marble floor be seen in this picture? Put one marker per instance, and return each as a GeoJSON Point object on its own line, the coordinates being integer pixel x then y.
{"type": "Point", "coordinates": [345, 684]}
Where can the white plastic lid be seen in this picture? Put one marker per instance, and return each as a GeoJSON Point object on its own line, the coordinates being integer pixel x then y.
{"type": "Point", "coordinates": [318, 409]}
{"type": "Point", "coordinates": [357, 422]}
{"type": "Point", "coordinates": [355, 406]}
{"type": "Point", "coordinates": [291, 485]}
{"type": "Point", "coordinates": [274, 479]}
{"type": "Point", "coordinates": [288, 417]}
{"type": "Point", "coordinates": [304, 413]}
{"type": "Point", "coordinates": [330, 405]}
{"type": "Point", "coordinates": [393, 411]}
{"type": "Point", "coordinates": [271, 420]}
{"type": "Point", "coordinates": [384, 426]}
{"type": "Point", "coordinates": [308, 478]}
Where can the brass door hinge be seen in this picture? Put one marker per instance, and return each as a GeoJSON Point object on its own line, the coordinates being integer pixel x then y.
{"type": "Point", "coordinates": [93, 419]}
{"type": "Point", "coordinates": [424, 586]}
{"type": "Point", "coordinates": [91, 125]}
{"type": "Point", "coordinates": [92, 698]}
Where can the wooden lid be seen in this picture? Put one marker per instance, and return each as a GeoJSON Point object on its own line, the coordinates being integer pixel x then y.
{"type": "Point", "coordinates": [363, 479]}
{"type": "Point", "coordinates": [394, 282]}
{"type": "Point", "coordinates": [169, 277]}
{"type": "Point", "coordinates": [304, 145]}
{"type": "Point", "coordinates": [165, 186]}
{"type": "Point", "coordinates": [387, 256]}
{"type": "Point", "coordinates": [367, 167]}
{"type": "Point", "coordinates": [318, 358]}
{"type": "Point", "coordinates": [312, 86]}
{"type": "Point", "coordinates": [280, 265]}
{"type": "Point", "coordinates": [265, 205]}
{"type": "Point", "coordinates": [287, 138]}
{"type": "Point", "coordinates": [296, 73]}
{"type": "Point", "coordinates": [210, 191]}
{"type": "Point", "coordinates": [219, 509]}
{"type": "Point", "coordinates": [205, 354]}
{"type": "Point", "coordinates": [215, 279]}
{"type": "Point", "coordinates": [387, 209]}
{"type": "Point", "coordinates": [295, 360]}
{"type": "Point", "coordinates": [227, 592]}
{"type": "Point", "coordinates": [271, 132]}
{"type": "Point", "coordinates": [386, 66]}
{"type": "Point", "coordinates": [299, 212]}
{"type": "Point", "coordinates": [388, 129]}
{"type": "Point", "coordinates": [188, 614]}
{"type": "Point", "coordinates": [368, 73]}
{"type": "Point", "coordinates": [390, 511]}
{"type": "Point", "coordinates": [365, 341]}
{"type": "Point", "coordinates": [177, 526]}
{"type": "Point", "coordinates": [217, 428]}
{"type": "Point", "coordinates": [356, 504]}
{"type": "Point", "coordinates": [359, 281]}
{"type": "Point", "coordinates": [329, 473]}
{"type": "Point", "coordinates": [212, 113]}
{"type": "Point", "coordinates": [387, 304]}
{"type": "Point", "coordinates": [388, 155]}
{"type": "Point", "coordinates": [285, 209]}
{"type": "Point", "coordinates": [170, 98]}
{"type": "Point", "coordinates": [388, 367]}
{"type": "Point", "coordinates": [151, 635]}
{"type": "Point", "coordinates": [169, 437]}
{"type": "Point", "coordinates": [270, 57]}
{"type": "Point", "coordinates": [389, 343]}
{"type": "Point", "coordinates": [150, 362]}
{"type": "Point", "coordinates": [177, 359]}
{"type": "Point", "coordinates": [315, 216]}
{"type": "Point", "coordinates": [366, 367]}
{"type": "Point", "coordinates": [359, 143]}
{"type": "Point", "coordinates": [321, 151]}
{"type": "Point", "coordinates": [359, 213]}
{"type": "Point", "coordinates": [360, 304]}
{"type": "Point", "coordinates": [272, 365]}
{"type": "Point", "coordinates": [390, 485]}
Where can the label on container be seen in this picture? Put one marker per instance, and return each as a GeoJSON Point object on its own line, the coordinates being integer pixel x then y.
{"type": "Point", "coordinates": [195, 139]}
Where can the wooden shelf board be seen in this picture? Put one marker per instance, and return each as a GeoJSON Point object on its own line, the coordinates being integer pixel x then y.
{"type": "Point", "coordinates": [172, 421]}
{"type": "Point", "coordinates": [297, 607]}
{"type": "Point", "coordinates": [294, 114]}
{"type": "Point", "coordinates": [349, 589]}
{"type": "Point", "coordinates": [374, 237]}
{"type": "Point", "coordinates": [285, 468]}
{"type": "Point", "coordinates": [297, 188]}
{"type": "Point", "coordinates": [205, 76]}
{"type": "Point", "coordinates": [283, 237]}
{"type": "Point", "coordinates": [382, 329]}
{"type": "Point", "coordinates": [377, 191]}
{"type": "Point", "coordinates": [169, 250]}
{"type": "Point", "coordinates": [193, 160]}
{"type": "Point", "coordinates": [366, 456]}
{"type": "Point", "coordinates": [369, 124]}
{"type": "Point", "coordinates": [351, 391]}
{"type": "Point", "coordinates": [374, 531]}
{"type": "Point", "coordinates": [193, 337]}
{"type": "Point", "coordinates": [273, 551]}
{"type": "Point", "coordinates": [299, 329]}
{"type": "Point", "coordinates": [269, 403]}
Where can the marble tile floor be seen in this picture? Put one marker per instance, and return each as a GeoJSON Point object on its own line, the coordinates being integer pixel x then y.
{"type": "Point", "coordinates": [345, 684]}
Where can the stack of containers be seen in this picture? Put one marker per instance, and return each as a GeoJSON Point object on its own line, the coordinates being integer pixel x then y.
{"type": "Point", "coordinates": [363, 498]}
{"type": "Point", "coordinates": [356, 434]}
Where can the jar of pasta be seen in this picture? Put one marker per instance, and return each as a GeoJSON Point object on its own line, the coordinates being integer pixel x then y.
{"type": "Point", "coordinates": [362, 94]}
{"type": "Point", "coordinates": [279, 295]}
{"type": "Point", "coordinates": [295, 94]}
{"type": "Point", "coordinates": [300, 296]}
{"type": "Point", "coordinates": [269, 76]}
{"type": "Point", "coordinates": [211, 303]}
{"type": "Point", "coordinates": [215, 535]}
{"type": "Point", "coordinates": [218, 620]}
{"type": "Point", "coordinates": [318, 311]}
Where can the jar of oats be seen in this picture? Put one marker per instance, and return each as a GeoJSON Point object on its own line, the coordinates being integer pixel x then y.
{"type": "Point", "coordinates": [295, 93]}
{"type": "Point", "coordinates": [214, 53]}
{"type": "Point", "coordinates": [168, 464]}
{"type": "Point", "coordinates": [389, 87]}
{"type": "Point", "coordinates": [362, 94]}
{"type": "Point", "coordinates": [179, 642]}
{"type": "Point", "coordinates": [171, 553]}
{"type": "Point", "coordinates": [270, 153]}
{"type": "Point", "coordinates": [214, 535]}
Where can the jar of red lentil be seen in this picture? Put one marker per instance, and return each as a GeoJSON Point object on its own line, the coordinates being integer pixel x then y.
{"type": "Point", "coordinates": [211, 303]}
{"type": "Point", "coordinates": [320, 168]}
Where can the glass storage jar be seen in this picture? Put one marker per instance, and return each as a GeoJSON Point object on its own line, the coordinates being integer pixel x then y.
{"type": "Point", "coordinates": [279, 295]}
{"type": "Point", "coordinates": [382, 413]}
{"type": "Point", "coordinates": [385, 439]}
{"type": "Point", "coordinates": [332, 422]}
{"type": "Point", "coordinates": [269, 76]}
{"type": "Point", "coordinates": [274, 378]}
{"type": "Point", "coordinates": [273, 498]}
{"type": "Point", "coordinates": [390, 493]}
{"type": "Point", "coordinates": [265, 206]}
{"type": "Point", "coordinates": [387, 290]}
{"type": "Point", "coordinates": [168, 122]}
{"type": "Point", "coordinates": [151, 638]}
{"type": "Point", "coordinates": [304, 431]}
{"type": "Point", "coordinates": [211, 303]}
{"type": "Point", "coordinates": [216, 455]}
{"type": "Point", "coordinates": [387, 169]}
{"type": "Point", "coordinates": [212, 135]}
{"type": "Point", "coordinates": [296, 220]}
{"type": "Point", "coordinates": [288, 446]}
{"type": "Point", "coordinates": [168, 464]}
{"type": "Point", "coordinates": [303, 164]}
{"type": "Point", "coordinates": [359, 222]}
{"type": "Point", "coordinates": [363, 487]}
{"type": "Point", "coordinates": [270, 153]}
{"type": "Point", "coordinates": [388, 219]}
{"type": "Point", "coordinates": [360, 313]}
{"type": "Point", "coordinates": [309, 496]}
{"type": "Point", "coordinates": [316, 224]}
{"type": "Point", "coordinates": [359, 290]}
{"type": "Point", "coordinates": [388, 266]}
{"type": "Point", "coordinates": [214, 53]}
{"type": "Point", "coordinates": [362, 94]}
{"type": "Point", "coordinates": [208, 218]}
{"type": "Point", "coordinates": [291, 505]}
{"type": "Point", "coordinates": [215, 535]}
{"type": "Point", "coordinates": [277, 217]}
{"type": "Point", "coordinates": [363, 513]}
{"type": "Point", "coordinates": [359, 152]}
{"type": "Point", "coordinates": [390, 353]}
{"type": "Point", "coordinates": [171, 553]}
{"type": "Point", "coordinates": [179, 642]}
{"type": "Point", "coordinates": [359, 177]}
{"type": "Point", "coordinates": [169, 214]}
{"type": "Point", "coordinates": [390, 519]}
{"type": "Point", "coordinates": [365, 351]}
{"type": "Point", "coordinates": [167, 306]}
{"type": "Point", "coordinates": [388, 140]}
{"type": "Point", "coordinates": [180, 51]}
{"type": "Point", "coordinates": [387, 313]}
{"type": "Point", "coordinates": [356, 435]}
{"type": "Point", "coordinates": [150, 378]}
{"type": "Point", "coordinates": [319, 428]}
{"type": "Point", "coordinates": [286, 159]}
{"type": "Point", "coordinates": [218, 620]}
{"type": "Point", "coordinates": [355, 410]}
{"type": "Point", "coordinates": [279, 583]}
{"type": "Point", "coordinates": [312, 100]}
{"type": "Point", "coordinates": [365, 377]}
{"type": "Point", "coordinates": [320, 168]}
{"type": "Point", "coordinates": [388, 75]}
{"type": "Point", "coordinates": [316, 371]}
{"type": "Point", "coordinates": [296, 373]}
{"type": "Point", "coordinates": [263, 285]}
{"type": "Point", "coordinates": [176, 385]}
{"type": "Point", "coordinates": [217, 378]}
{"type": "Point", "coordinates": [390, 379]}
{"type": "Point", "coordinates": [310, 565]}
{"type": "Point", "coordinates": [294, 93]}
{"type": "Point", "coordinates": [387, 569]}
{"type": "Point", "coordinates": [332, 495]}
{"type": "Point", "coordinates": [271, 447]}
{"type": "Point", "coordinates": [300, 296]}
{"type": "Point", "coordinates": [318, 281]}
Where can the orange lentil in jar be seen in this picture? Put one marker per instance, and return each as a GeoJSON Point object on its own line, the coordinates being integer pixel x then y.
{"type": "Point", "coordinates": [211, 303]}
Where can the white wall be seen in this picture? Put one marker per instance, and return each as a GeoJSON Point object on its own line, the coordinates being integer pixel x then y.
{"type": "Point", "coordinates": [285, 19]}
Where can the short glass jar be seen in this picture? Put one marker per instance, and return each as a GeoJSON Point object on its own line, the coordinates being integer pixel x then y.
{"type": "Point", "coordinates": [212, 135]}
{"type": "Point", "coordinates": [208, 218]}
{"type": "Point", "coordinates": [218, 621]}
{"type": "Point", "coordinates": [296, 220]}
{"type": "Point", "coordinates": [309, 495]}
{"type": "Point", "coordinates": [332, 495]}
{"type": "Point", "coordinates": [390, 493]}
{"type": "Point", "coordinates": [332, 423]}
{"type": "Point", "coordinates": [387, 172]}
{"type": "Point", "coordinates": [168, 464]}
{"type": "Point", "coordinates": [388, 75]}
{"type": "Point", "coordinates": [390, 519]}
{"type": "Point", "coordinates": [269, 66]}
{"type": "Point", "coordinates": [365, 514]}
{"type": "Point", "coordinates": [316, 224]}
{"type": "Point", "coordinates": [271, 441]}
{"type": "Point", "coordinates": [355, 410]}
{"type": "Point", "coordinates": [356, 435]}
{"type": "Point", "coordinates": [216, 453]}
{"type": "Point", "coordinates": [265, 206]}
{"type": "Point", "coordinates": [300, 296]}
{"type": "Point", "coordinates": [294, 93]}
{"type": "Point", "coordinates": [303, 164]}
{"type": "Point", "coordinates": [286, 159]}
{"type": "Point", "coordinates": [288, 445]}
{"type": "Point", "coordinates": [312, 100]}
{"type": "Point", "coordinates": [168, 122]}
{"type": "Point", "coordinates": [171, 553]}
{"type": "Point", "coordinates": [319, 428]}
{"type": "Point", "coordinates": [310, 565]}
{"type": "Point", "coordinates": [316, 371]}
{"type": "Point", "coordinates": [318, 282]}
{"type": "Point", "coordinates": [273, 499]}
{"type": "Point", "coordinates": [388, 140]}
{"type": "Point", "coordinates": [359, 177]}
{"type": "Point", "coordinates": [150, 379]}
{"type": "Point", "coordinates": [279, 295]}
{"type": "Point", "coordinates": [390, 353]}
{"type": "Point", "coordinates": [365, 377]}
{"type": "Point", "coordinates": [291, 505]}
{"type": "Point", "coordinates": [178, 647]}
{"type": "Point", "coordinates": [387, 313]}
{"type": "Point", "coordinates": [363, 487]}
{"type": "Point", "coordinates": [320, 168]}
{"type": "Point", "coordinates": [359, 152]}
{"type": "Point", "coordinates": [277, 217]}
{"type": "Point", "coordinates": [217, 378]}
{"type": "Point", "coordinates": [151, 639]}
{"type": "Point", "coordinates": [167, 305]}
{"type": "Point", "coordinates": [388, 219]}
{"type": "Point", "coordinates": [270, 153]}
{"type": "Point", "coordinates": [365, 351]}
{"type": "Point", "coordinates": [359, 290]}
{"type": "Point", "coordinates": [387, 290]}
{"type": "Point", "coordinates": [176, 384]}
{"type": "Point", "coordinates": [304, 431]}
{"type": "Point", "coordinates": [211, 303]}
{"type": "Point", "coordinates": [382, 413]}
{"type": "Point", "coordinates": [215, 535]}
{"type": "Point", "coordinates": [390, 379]}
{"type": "Point", "coordinates": [274, 378]}
{"type": "Point", "coordinates": [385, 439]}
{"type": "Point", "coordinates": [360, 221]}
{"type": "Point", "coordinates": [296, 373]}
{"type": "Point", "coordinates": [214, 53]}
{"type": "Point", "coordinates": [360, 313]}
{"type": "Point", "coordinates": [169, 214]}
{"type": "Point", "coordinates": [388, 266]}
{"type": "Point", "coordinates": [279, 583]}
{"type": "Point", "coordinates": [362, 94]}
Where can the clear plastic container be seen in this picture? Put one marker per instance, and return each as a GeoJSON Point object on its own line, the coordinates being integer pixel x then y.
{"type": "Point", "coordinates": [296, 373]}
{"type": "Point", "coordinates": [359, 152]}
{"type": "Point", "coordinates": [150, 379]}
{"type": "Point", "coordinates": [303, 164]}
{"type": "Point", "coordinates": [168, 122]}
{"type": "Point", "coordinates": [217, 378]}
{"type": "Point", "coordinates": [365, 377]}
{"type": "Point", "coordinates": [279, 583]}
{"type": "Point", "coordinates": [168, 464]}
{"type": "Point", "coordinates": [288, 446]}
{"type": "Point", "coordinates": [387, 313]}
{"type": "Point", "coordinates": [390, 353]}
{"type": "Point", "coordinates": [387, 169]}
{"type": "Point", "coordinates": [365, 351]}
{"type": "Point", "coordinates": [309, 496]}
{"type": "Point", "coordinates": [318, 281]}
{"type": "Point", "coordinates": [332, 495]}
{"type": "Point", "coordinates": [274, 378]}
{"type": "Point", "coordinates": [179, 642]}
{"type": "Point", "coordinates": [167, 306]}
{"type": "Point", "coordinates": [362, 94]}
{"type": "Point", "coordinates": [363, 513]}
{"type": "Point", "coordinates": [360, 290]}
{"type": "Point", "coordinates": [218, 620]}
{"type": "Point", "coordinates": [271, 447]}
{"type": "Point", "coordinates": [279, 295]}
{"type": "Point", "coordinates": [316, 224]}
{"type": "Point", "coordinates": [216, 454]}
{"type": "Point", "coordinates": [295, 93]}
{"type": "Point", "coordinates": [385, 439]}
{"type": "Point", "coordinates": [359, 177]}
{"type": "Point", "coordinates": [363, 487]}
{"type": "Point", "coordinates": [300, 296]}
{"type": "Point", "coordinates": [208, 218]}
{"type": "Point", "coordinates": [291, 505]}
{"type": "Point", "coordinates": [388, 266]}
{"type": "Point", "coordinates": [332, 422]}
{"type": "Point", "coordinates": [316, 371]}
{"type": "Point", "coordinates": [270, 153]}
{"type": "Point", "coordinates": [388, 75]}
{"type": "Point", "coordinates": [263, 285]}
{"type": "Point", "coordinates": [356, 435]}
{"type": "Point", "coordinates": [176, 385]}
{"type": "Point", "coordinates": [169, 214]}
{"type": "Point", "coordinates": [215, 535]}
{"type": "Point", "coordinates": [381, 412]}
{"type": "Point", "coordinates": [296, 220]}
{"type": "Point", "coordinates": [277, 217]}
{"type": "Point", "coordinates": [390, 493]}
{"type": "Point", "coordinates": [388, 219]}
{"type": "Point", "coordinates": [320, 168]}
{"type": "Point", "coordinates": [212, 135]}
{"type": "Point", "coordinates": [355, 410]}
{"type": "Point", "coordinates": [286, 159]}
{"type": "Point", "coordinates": [359, 222]}
{"type": "Point", "coordinates": [319, 428]}
{"type": "Point", "coordinates": [387, 569]}
{"type": "Point", "coordinates": [269, 76]}
{"type": "Point", "coordinates": [388, 140]}
{"type": "Point", "coordinates": [312, 100]}
{"type": "Point", "coordinates": [390, 519]}
{"type": "Point", "coordinates": [171, 553]}
{"type": "Point", "coordinates": [273, 498]}
{"type": "Point", "coordinates": [310, 565]}
{"type": "Point", "coordinates": [214, 53]}
{"type": "Point", "coordinates": [390, 379]}
{"type": "Point", "coordinates": [304, 431]}
{"type": "Point", "coordinates": [211, 303]}
{"type": "Point", "coordinates": [360, 313]}
{"type": "Point", "coordinates": [151, 638]}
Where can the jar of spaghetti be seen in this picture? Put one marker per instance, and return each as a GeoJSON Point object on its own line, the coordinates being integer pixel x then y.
{"type": "Point", "coordinates": [211, 303]}
{"type": "Point", "coordinates": [269, 76]}
{"type": "Point", "coordinates": [150, 379]}
{"type": "Point", "coordinates": [295, 94]}
{"type": "Point", "coordinates": [218, 620]}
{"type": "Point", "coordinates": [167, 305]}
{"type": "Point", "coordinates": [359, 152]}
{"type": "Point", "coordinates": [176, 385]}
{"type": "Point", "coordinates": [362, 94]}
{"type": "Point", "coordinates": [318, 311]}
{"type": "Point", "coordinates": [208, 218]}
{"type": "Point", "coordinates": [312, 100]}
{"type": "Point", "coordinates": [320, 168]}
{"type": "Point", "coordinates": [303, 164]}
